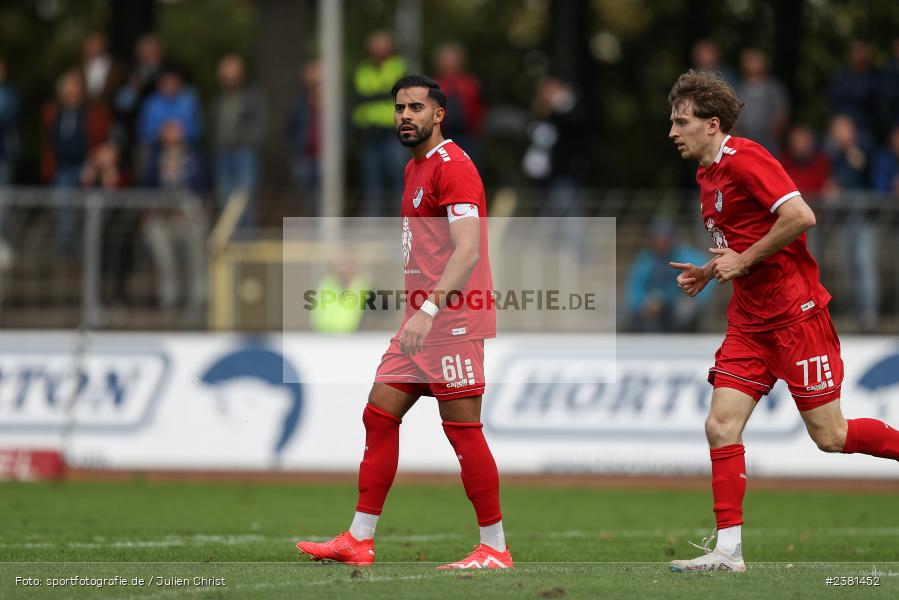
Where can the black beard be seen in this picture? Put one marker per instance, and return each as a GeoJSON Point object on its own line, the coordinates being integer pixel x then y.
{"type": "Point", "coordinates": [423, 134]}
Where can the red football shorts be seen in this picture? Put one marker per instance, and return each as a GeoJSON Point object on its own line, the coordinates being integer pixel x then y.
{"type": "Point", "coordinates": [446, 372]}
{"type": "Point", "coordinates": [806, 355]}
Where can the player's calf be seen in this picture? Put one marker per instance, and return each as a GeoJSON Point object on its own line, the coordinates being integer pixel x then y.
{"type": "Point", "coordinates": [480, 477]}
{"type": "Point", "coordinates": [379, 461]}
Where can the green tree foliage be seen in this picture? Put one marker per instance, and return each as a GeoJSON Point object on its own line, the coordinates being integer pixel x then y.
{"type": "Point", "coordinates": [637, 47]}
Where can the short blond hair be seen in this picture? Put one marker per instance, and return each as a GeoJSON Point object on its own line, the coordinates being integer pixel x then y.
{"type": "Point", "coordinates": [710, 96]}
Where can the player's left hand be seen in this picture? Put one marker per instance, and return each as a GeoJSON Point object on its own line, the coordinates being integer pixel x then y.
{"type": "Point", "coordinates": [412, 338]}
{"type": "Point", "coordinates": [728, 265]}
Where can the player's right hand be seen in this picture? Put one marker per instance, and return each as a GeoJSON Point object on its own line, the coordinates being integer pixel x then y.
{"type": "Point", "coordinates": [692, 279]}
{"type": "Point", "coordinates": [412, 338]}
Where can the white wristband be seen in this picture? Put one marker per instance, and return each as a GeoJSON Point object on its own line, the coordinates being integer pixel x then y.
{"type": "Point", "coordinates": [429, 308]}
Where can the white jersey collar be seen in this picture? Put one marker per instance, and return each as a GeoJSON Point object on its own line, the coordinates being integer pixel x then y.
{"type": "Point", "coordinates": [721, 149]}
{"type": "Point", "coordinates": [434, 149]}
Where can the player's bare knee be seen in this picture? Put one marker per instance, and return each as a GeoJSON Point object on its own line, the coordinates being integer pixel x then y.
{"type": "Point", "coordinates": [828, 433]}
{"type": "Point", "coordinates": [828, 442]}
{"type": "Point", "coordinates": [463, 410]}
{"type": "Point", "coordinates": [721, 431]}
{"type": "Point", "coordinates": [830, 439]}
{"type": "Point", "coordinates": [381, 397]}
{"type": "Point", "coordinates": [374, 396]}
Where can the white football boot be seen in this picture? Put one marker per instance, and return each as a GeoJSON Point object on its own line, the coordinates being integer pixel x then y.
{"type": "Point", "coordinates": [711, 560]}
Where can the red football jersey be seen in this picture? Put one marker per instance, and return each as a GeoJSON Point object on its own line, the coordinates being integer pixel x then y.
{"type": "Point", "coordinates": [445, 176]}
{"type": "Point", "coordinates": [739, 193]}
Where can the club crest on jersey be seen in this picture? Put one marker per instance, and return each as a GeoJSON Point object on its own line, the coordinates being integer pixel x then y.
{"type": "Point", "coordinates": [416, 199]}
{"type": "Point", "coordinates": [719, 200]}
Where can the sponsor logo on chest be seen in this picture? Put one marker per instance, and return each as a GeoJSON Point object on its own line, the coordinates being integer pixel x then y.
{"type": "Point", "coordinates": [716, 233]}
{"type": "Point", "coordinates": [416, 198]}
{"type": "Point", "coordinates": [719, 200]}
{"type": "Point", "coordinates": [407, 241]}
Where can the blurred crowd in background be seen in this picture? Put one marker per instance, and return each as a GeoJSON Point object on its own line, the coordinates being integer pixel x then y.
{"type": "Point", "coordinates": [113, 125]}
{"type": "Point", "coordinates": [140, 123]}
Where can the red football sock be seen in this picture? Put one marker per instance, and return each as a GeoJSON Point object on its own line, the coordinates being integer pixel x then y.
{"type": "Point", "coordinates": [728, 484]}
{"type": "Point", "coordinates": [378, 466]}
{"type": "Point", "coordinates": [870, 436]}
{"type": "Point", "coordinates": [479, 475]}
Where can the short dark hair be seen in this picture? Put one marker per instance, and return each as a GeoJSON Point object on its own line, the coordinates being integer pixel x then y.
{"type": "Point", "coordinates": [710, 95]}
{"type": "Point", "coordinates": [412, 81]}
{"type": "Point", "coordinates": [171, 68]}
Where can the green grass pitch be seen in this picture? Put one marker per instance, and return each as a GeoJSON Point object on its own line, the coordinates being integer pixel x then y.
{"type": "Point", "coordinates": [569, 542]}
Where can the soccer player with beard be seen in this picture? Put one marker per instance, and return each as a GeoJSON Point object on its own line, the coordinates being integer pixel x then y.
{"type": "Point", "coordinates": [778, 325]}
{"type": "Point", "coordinates": [439, 349]}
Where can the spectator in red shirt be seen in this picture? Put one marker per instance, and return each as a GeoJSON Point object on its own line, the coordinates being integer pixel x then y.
{"type": "Point", "coordinates": [70, 128]}
{"type": "Point", "coordinates": [304, 132]}
{"type": "Point", "coordinates": [808, 166]}
{"type": "Point", "coordinates": [465, 107]}
{"type": "Point", "coordinates": [806, 163]}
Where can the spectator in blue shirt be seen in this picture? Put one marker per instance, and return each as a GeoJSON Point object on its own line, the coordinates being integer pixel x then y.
{"type": "Point", "coordinates": [9, 141]}
{"type": "Point", "coordinates": [654, 302]}
{"type": "Point", "coordinates": [172, 101]}
{"type": "Point", "coordinates": [9, 146]}
{"type": "Point", "coordinates": [849, 155]}
{"type": "Point", "coordinates": [855, 90]}
{"type": "Point", "coordinates": [885, 170]}
{"type": "Point", "coordinates": [891, 85]}
{"type": "Point", "coordinates": [176, 164]}
{"type": "Point", "coordinates": [850, 180]}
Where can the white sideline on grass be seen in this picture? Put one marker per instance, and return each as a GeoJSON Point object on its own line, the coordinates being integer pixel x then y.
{"type": "Point", "coordinates": [601, 534]}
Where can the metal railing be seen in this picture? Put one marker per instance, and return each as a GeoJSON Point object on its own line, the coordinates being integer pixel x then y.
{"type": "Point", "coordinates": [855, 241]}
{"type": "Point", "coordinates": [254, 265]}
{"type": "Point", "coordinates": [145, 259]}
{"type": "Point", "coordinates": [102, 259]}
